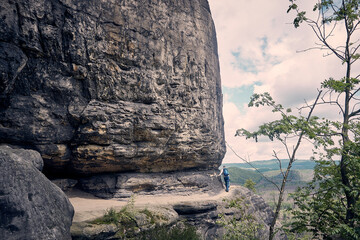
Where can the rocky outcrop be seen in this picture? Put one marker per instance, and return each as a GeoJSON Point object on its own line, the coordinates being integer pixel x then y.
{"type": "Point", "coordinates": [111, 86]}
{"type": "Point", "coordinates": [194, 197]}
{"type": "Point", "coordinates": [127, 184]}
{"type": "Point", "coordinates": [204, 214]}
{"type": "Point", "coordinates": [199, 211]}
{"type": "Point", "coordinates": [31, 206]}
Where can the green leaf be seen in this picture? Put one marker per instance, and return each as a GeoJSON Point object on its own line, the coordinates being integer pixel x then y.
{"type": "Point", "coordinates": [292, 7]}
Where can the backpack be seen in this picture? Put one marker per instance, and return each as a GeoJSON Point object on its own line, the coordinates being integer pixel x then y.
{"type": "Point", "coordinates": [226, 172]}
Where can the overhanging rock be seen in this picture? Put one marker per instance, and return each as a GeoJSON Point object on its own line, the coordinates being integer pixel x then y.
{"type": "Point", "coordinates": [112, 86]}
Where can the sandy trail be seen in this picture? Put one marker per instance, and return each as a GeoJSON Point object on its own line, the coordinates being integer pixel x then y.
{"type": "Point", "coordinates": [88, 207]}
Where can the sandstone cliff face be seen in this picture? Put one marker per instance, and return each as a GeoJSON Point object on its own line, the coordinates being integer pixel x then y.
{"type": "Point", "coordinates": [111, 85]}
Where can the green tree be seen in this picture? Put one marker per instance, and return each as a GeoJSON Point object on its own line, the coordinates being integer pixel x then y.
{"type": "Point", "coordinates": [250, 184]}
{"type": "Point", "coordinates": [286, 128]}
{"type": "Point", "coordinates": [334, 194]}
{"type": "Point", "coordinates": [329, 206]}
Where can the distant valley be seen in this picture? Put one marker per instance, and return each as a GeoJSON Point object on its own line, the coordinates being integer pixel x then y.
{"type": "Point", "coordinates": [301, 172]}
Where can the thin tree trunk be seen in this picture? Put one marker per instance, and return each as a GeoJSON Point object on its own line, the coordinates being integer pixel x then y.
{"type": "Point", "coordinates": [283, 184]}
{"type": "Point", "coordinates": [344, 162]}
{"type": "Point", "coordinates": [279, 203]}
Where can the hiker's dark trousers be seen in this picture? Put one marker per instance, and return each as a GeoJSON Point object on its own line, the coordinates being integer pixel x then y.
{"type": "Point", "coordinates": [227, 182]}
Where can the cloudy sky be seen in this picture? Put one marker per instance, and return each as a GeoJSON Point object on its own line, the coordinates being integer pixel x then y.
{"type": "Point", "coordinates": [260, 51]}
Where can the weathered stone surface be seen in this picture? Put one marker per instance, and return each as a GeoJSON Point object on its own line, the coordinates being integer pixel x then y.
{"type": "Point", "coordinates": [204, 214]}
{"type": "Point", "coordinates": [65, 184]}
{"type": "Point", "coordinates": [20, 154]}
{"type": "Point", "coordinates": [144, 220]}
{"type": "Point", "coordinates": [197, 211]}
{"type": "Point", "coordinates": [86, 231]}
{"type": "Point", "coordinates": [195, 207]}
{"type": "Point", "coordinates": [111, 86]}
{"type": "Point", "coordinates": [31, 206]}
{"type": "Point", "coordinates": [127, 184]}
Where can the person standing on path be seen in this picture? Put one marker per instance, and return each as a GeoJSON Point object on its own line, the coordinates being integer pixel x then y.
{"type": "Point", "coordinates": [225, 171]}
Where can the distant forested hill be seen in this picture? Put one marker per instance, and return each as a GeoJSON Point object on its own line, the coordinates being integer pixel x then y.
{"type": "Point", "coordinates": [302, 172]}
{"type": "Point", "coordinates": [239, 176]}
{"type": "Point", "coordinates": [269, 165]}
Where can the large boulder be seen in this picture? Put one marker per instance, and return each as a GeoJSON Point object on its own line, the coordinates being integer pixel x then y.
{"type": "Point", "coordinates": [31, 206]}
{"type": "Point", "coordinates": [111, 86]}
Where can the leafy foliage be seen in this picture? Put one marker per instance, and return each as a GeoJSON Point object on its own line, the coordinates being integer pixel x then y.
{"type": "Point", "coordinates": [331, 11]}
{"type": "Point", "coordinates": [288, 126]}
{"type": "Point", "coordinates": [242, 226]}
{"type": "Point", "coordinates": [322, 205]}
{"type": "Point", "coordinates": [185, 232]}
{"type": "Point", "coordinates": [250, 184]}
{"type": "Point", "coordinates": [110, 217]}
{"type": "Point", "coordinates": [125, 216]}
{"type": "Point", "coordinates": [341, 85]}
{"type": "Point", "coordinates": [124, 219]}
{"type": "Point", "coordinates": [329, 206]}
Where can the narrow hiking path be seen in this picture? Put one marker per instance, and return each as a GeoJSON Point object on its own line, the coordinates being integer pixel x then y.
{"type": "Point", "coordinates": [88, 207]}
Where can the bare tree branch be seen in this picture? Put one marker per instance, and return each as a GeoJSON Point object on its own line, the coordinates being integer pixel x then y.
{"type": "Point", "coordinates": [357, 112]}
{"type": "Point", "coordinates": [354, 93]}
{"type": "Point", "coordinates": [287, 149]}
{"type": "Point", "coordinates": [279, 161]}
{"type": "Point", "coordinates": [355, 27]}
{"type": "Point", "coordinates": [332, 30]}
{"type": "Point", "coordinates": [321, 38]}
{"type": "Point", "coordinates": [353, 109]}
{"type": "Point", "coordinates": [248, 162]}
{"type": "Point", "coordinates": [336, 102]}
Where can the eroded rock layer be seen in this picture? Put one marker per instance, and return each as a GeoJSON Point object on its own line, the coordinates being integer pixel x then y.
{"type": "Point", "coordinates": [128, 184]}
{"type": "Point", "coordinates": [112, 85]}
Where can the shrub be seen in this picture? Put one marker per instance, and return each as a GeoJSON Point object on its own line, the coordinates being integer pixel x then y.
{"type": "Point", "coordinates": [185, 232]}
{"type": "Point", "coordinates": [124, 219]}
{"type": "Point", "coordinates": [244, 226]}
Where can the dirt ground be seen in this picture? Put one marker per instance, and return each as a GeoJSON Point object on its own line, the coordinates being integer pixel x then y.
{"type": "Point", "coordinates": [88, 207]}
